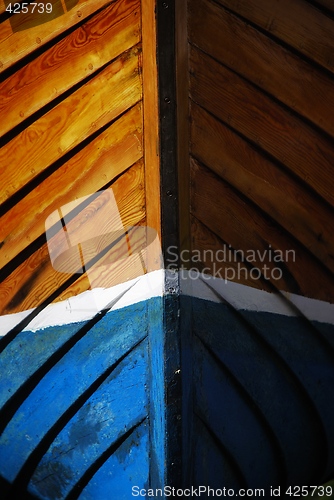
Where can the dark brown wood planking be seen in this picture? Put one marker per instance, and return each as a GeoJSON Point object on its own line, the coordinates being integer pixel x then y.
{"type": "Point", "coordinates": [264, 122]}
{"type": "Point", "coordinates": [260, 59]}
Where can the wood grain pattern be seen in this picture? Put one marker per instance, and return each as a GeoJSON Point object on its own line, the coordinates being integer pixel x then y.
{"type": "Point", "coordinates": [328, 4]}
{"type": "Point", "coordinates": [15, 46]}
{"type": "Point", "coordinates": [66, 125]}
{"type": "Point", "coordinates": [241, 225]}
{"type": "Point", "coordinates": [35, 279]}
{"type": "Point", "coordinates": [125, 261]}
{"type": "Point", "coordinates": [295, 22]}
{"type": "Point", "coordinates": [150, 115]}
{"type": "Point", "coordinates": [263, 61]}
{"type": "Point", "coordinates": [264, 183]}
{"type": "Point", "coordinates": [76, 56]}
{"type": "Point", "coordinates": [66, 4]}
{"type": "Point", "coordinates": [110, 154]}
{"type": "Point", "coordinates": [206, 243]}
{"type": "Point", "coordinates": [304, 151]}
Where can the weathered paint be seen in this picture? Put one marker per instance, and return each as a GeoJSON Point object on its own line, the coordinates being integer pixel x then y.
{"type": "Point", "coordinates": [79, 409]}
{"type": "Point", "coordinates": [261, 386]}
{"type": "Point", "coordinates": [241, 297]}
{"type": "Point", "coordinates": [84, 306]}
{"type": "Point", "coordinates": [93, 412]}
{"type": "Point", "coordinates": [62, 385]}
{"type": "Point", "coordinates": [123, 470]}
{"type": "Point", "coordinates": [158, 427]}
{"type": "Point", "coordinates": [117, 405]}
{"type": "Point", "coordinates": [246, 346]}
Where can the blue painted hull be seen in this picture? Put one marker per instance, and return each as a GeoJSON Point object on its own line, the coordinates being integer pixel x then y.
{"type": "Point", "coordinates": [84, 405]}
{"type": "Point", "coordinates": [262, 409]}
{"type": "Point", "coordinates": [76, 406]}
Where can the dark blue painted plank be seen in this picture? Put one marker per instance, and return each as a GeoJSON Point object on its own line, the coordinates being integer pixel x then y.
{"type": "Point", "coordinates": [212, 465]}
{"type": "Point", "coordinates": [303, 349]}
{"type": "Point", "coordinates": [126, 468]}
{"type": "Point", "coordinates": [119, 403]}
{"type": "Point", "coordinates": [326, 330]}
{"type": "Point", "coordinates": [219, 403]}
{"type": "Point", "coordinates": [100, 348]}
{"type": "Point", "coordinates": [269, 385]}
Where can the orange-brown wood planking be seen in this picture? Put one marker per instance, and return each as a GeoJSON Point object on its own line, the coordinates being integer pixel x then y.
{"type": "Point", "coordinates": [35, 280]}
{"type": "Point", "coordinates": [76, 56]}
{"type": "Point", "coordinates": [76, 118]}
{"type": "Point", "coordinates": [15, 46]}
{"type": "Point", "coordinates": [94, 166]}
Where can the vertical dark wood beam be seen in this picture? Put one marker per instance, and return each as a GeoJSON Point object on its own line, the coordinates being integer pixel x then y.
{"type": "Point", "coordinates": [170, 233]}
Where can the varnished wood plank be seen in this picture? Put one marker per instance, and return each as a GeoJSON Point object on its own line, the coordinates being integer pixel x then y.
{"type": "Point", "coordinates": [303, 150]}
{"type": "Point", "coordinates": [101, 39]}
{"type": "Point", "coordinates": [328, 4]}
{"type": "Point", "coordinates": [57, 8]}
{"type": "Point", "coordinates": [15, 46]}
{"type": "Point", "coordinates": [207, 244]}
{"type": "Point", "coordinates": [109, 94]}
{"type": "Point", "coordinates": [150, 116]}
{"type": "Point", "coordinates": [66, 5]}
{"type": "Point", "coordinates": [223, 151]}
{"type": "Point", "coordinates": [126, 261]}
{"type": "Point", "coordinates": [258, 58]}
{"type": "Point", "coordinates": [35, 279]}
{"type": "Point", "coordinates": [123, 261]}
{"type": "Point", "coordinates": [242, 226]}
{"type": "Point", "coordinates": [295, 22]}
{"type": "Point", "coordinates": [110, 154]}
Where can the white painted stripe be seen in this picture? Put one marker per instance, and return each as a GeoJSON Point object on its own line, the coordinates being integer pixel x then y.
{"type": "Point", "coordinates": [243, 297]}
{"type": "Point", "coordinates": [313, 309]}
{"type": "Point", "coordinates": [85, 305]}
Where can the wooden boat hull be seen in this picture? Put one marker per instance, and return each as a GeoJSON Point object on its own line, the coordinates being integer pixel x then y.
{"type": "Point", "coordinates": [209, 122]}
{"type": "Point", "coordinates": [83, 404]}
{"type": "Point", "coordinates": [78, 417]}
